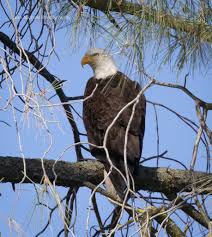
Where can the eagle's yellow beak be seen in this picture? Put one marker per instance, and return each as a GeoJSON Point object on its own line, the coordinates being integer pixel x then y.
{"type": "Point", "coordinates": [86, 60]}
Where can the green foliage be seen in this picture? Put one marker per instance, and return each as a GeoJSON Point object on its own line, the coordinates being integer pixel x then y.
{"type": "Point", "coordinates": [180, 31]}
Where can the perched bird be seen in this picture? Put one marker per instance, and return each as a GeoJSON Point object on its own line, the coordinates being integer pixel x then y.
{"type": "Point", "coordinates": [106, 93]}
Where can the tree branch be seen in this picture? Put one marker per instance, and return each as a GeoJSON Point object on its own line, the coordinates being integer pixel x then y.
{"type": "Point", "coordinates": [163, 180]}
{"type": "Point", "coordinates": [188, 209]}
{"type": "Point", "coordinates": [203, 104]}
{"type": "Point", "coordinates": [26, 55]}
{"type": "Point", "coordinates": [157, 17]}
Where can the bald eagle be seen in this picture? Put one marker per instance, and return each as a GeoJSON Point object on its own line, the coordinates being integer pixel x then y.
{"type": "Point", "coordinates": [106, 93]}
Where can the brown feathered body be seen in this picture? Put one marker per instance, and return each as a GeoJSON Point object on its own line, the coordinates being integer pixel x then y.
{"type": "Point", "coordinates": [104, 99]}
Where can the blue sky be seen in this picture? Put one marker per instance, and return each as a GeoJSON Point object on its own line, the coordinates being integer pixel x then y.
{"type": "Point", "coordinates": [175, 137]}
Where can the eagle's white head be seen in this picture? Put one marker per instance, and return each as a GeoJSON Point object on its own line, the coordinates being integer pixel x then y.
{"type": "Point", "coordinates": [101, 62]}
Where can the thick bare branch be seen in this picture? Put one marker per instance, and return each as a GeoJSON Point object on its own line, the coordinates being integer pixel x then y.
{"type": "Point", "coordinates": [163, 180]}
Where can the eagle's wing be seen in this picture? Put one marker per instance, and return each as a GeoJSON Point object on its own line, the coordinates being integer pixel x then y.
{"type": "Point", "coordinates": [100, 110]}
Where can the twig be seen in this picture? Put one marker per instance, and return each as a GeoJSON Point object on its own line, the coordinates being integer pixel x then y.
{"type": "Point", "coordinates": [49, 219]}
{"type": "Point", "coordinates": [81, 97]}
{"type": "Point", "coordinates": [188, 209]}
{"type": "Point", "coordinates": [199, 134]}
{"type": "Point", "coordinates": [207, 106]}
{"type": "Point", "coordinates": [51, 79]}
{"type": "Point", "coordinates": [1, 121]}
{"type": "Point", "coordinates": [98, 216]}
{"type": "Point", "coordinates": [69, 209]}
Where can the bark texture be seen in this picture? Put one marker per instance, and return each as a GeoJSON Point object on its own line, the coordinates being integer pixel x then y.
{"type": "Point", "coordinates": [68, 174]}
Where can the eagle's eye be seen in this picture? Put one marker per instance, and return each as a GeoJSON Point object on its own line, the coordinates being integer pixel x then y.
{"type": "Point", "coordinates": [95, 54]}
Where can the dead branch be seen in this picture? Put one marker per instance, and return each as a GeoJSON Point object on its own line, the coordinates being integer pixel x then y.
{"type": "Point", "coordinates": [189, 209]}
{"type": "Point", "coordinates": [28, 56]}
